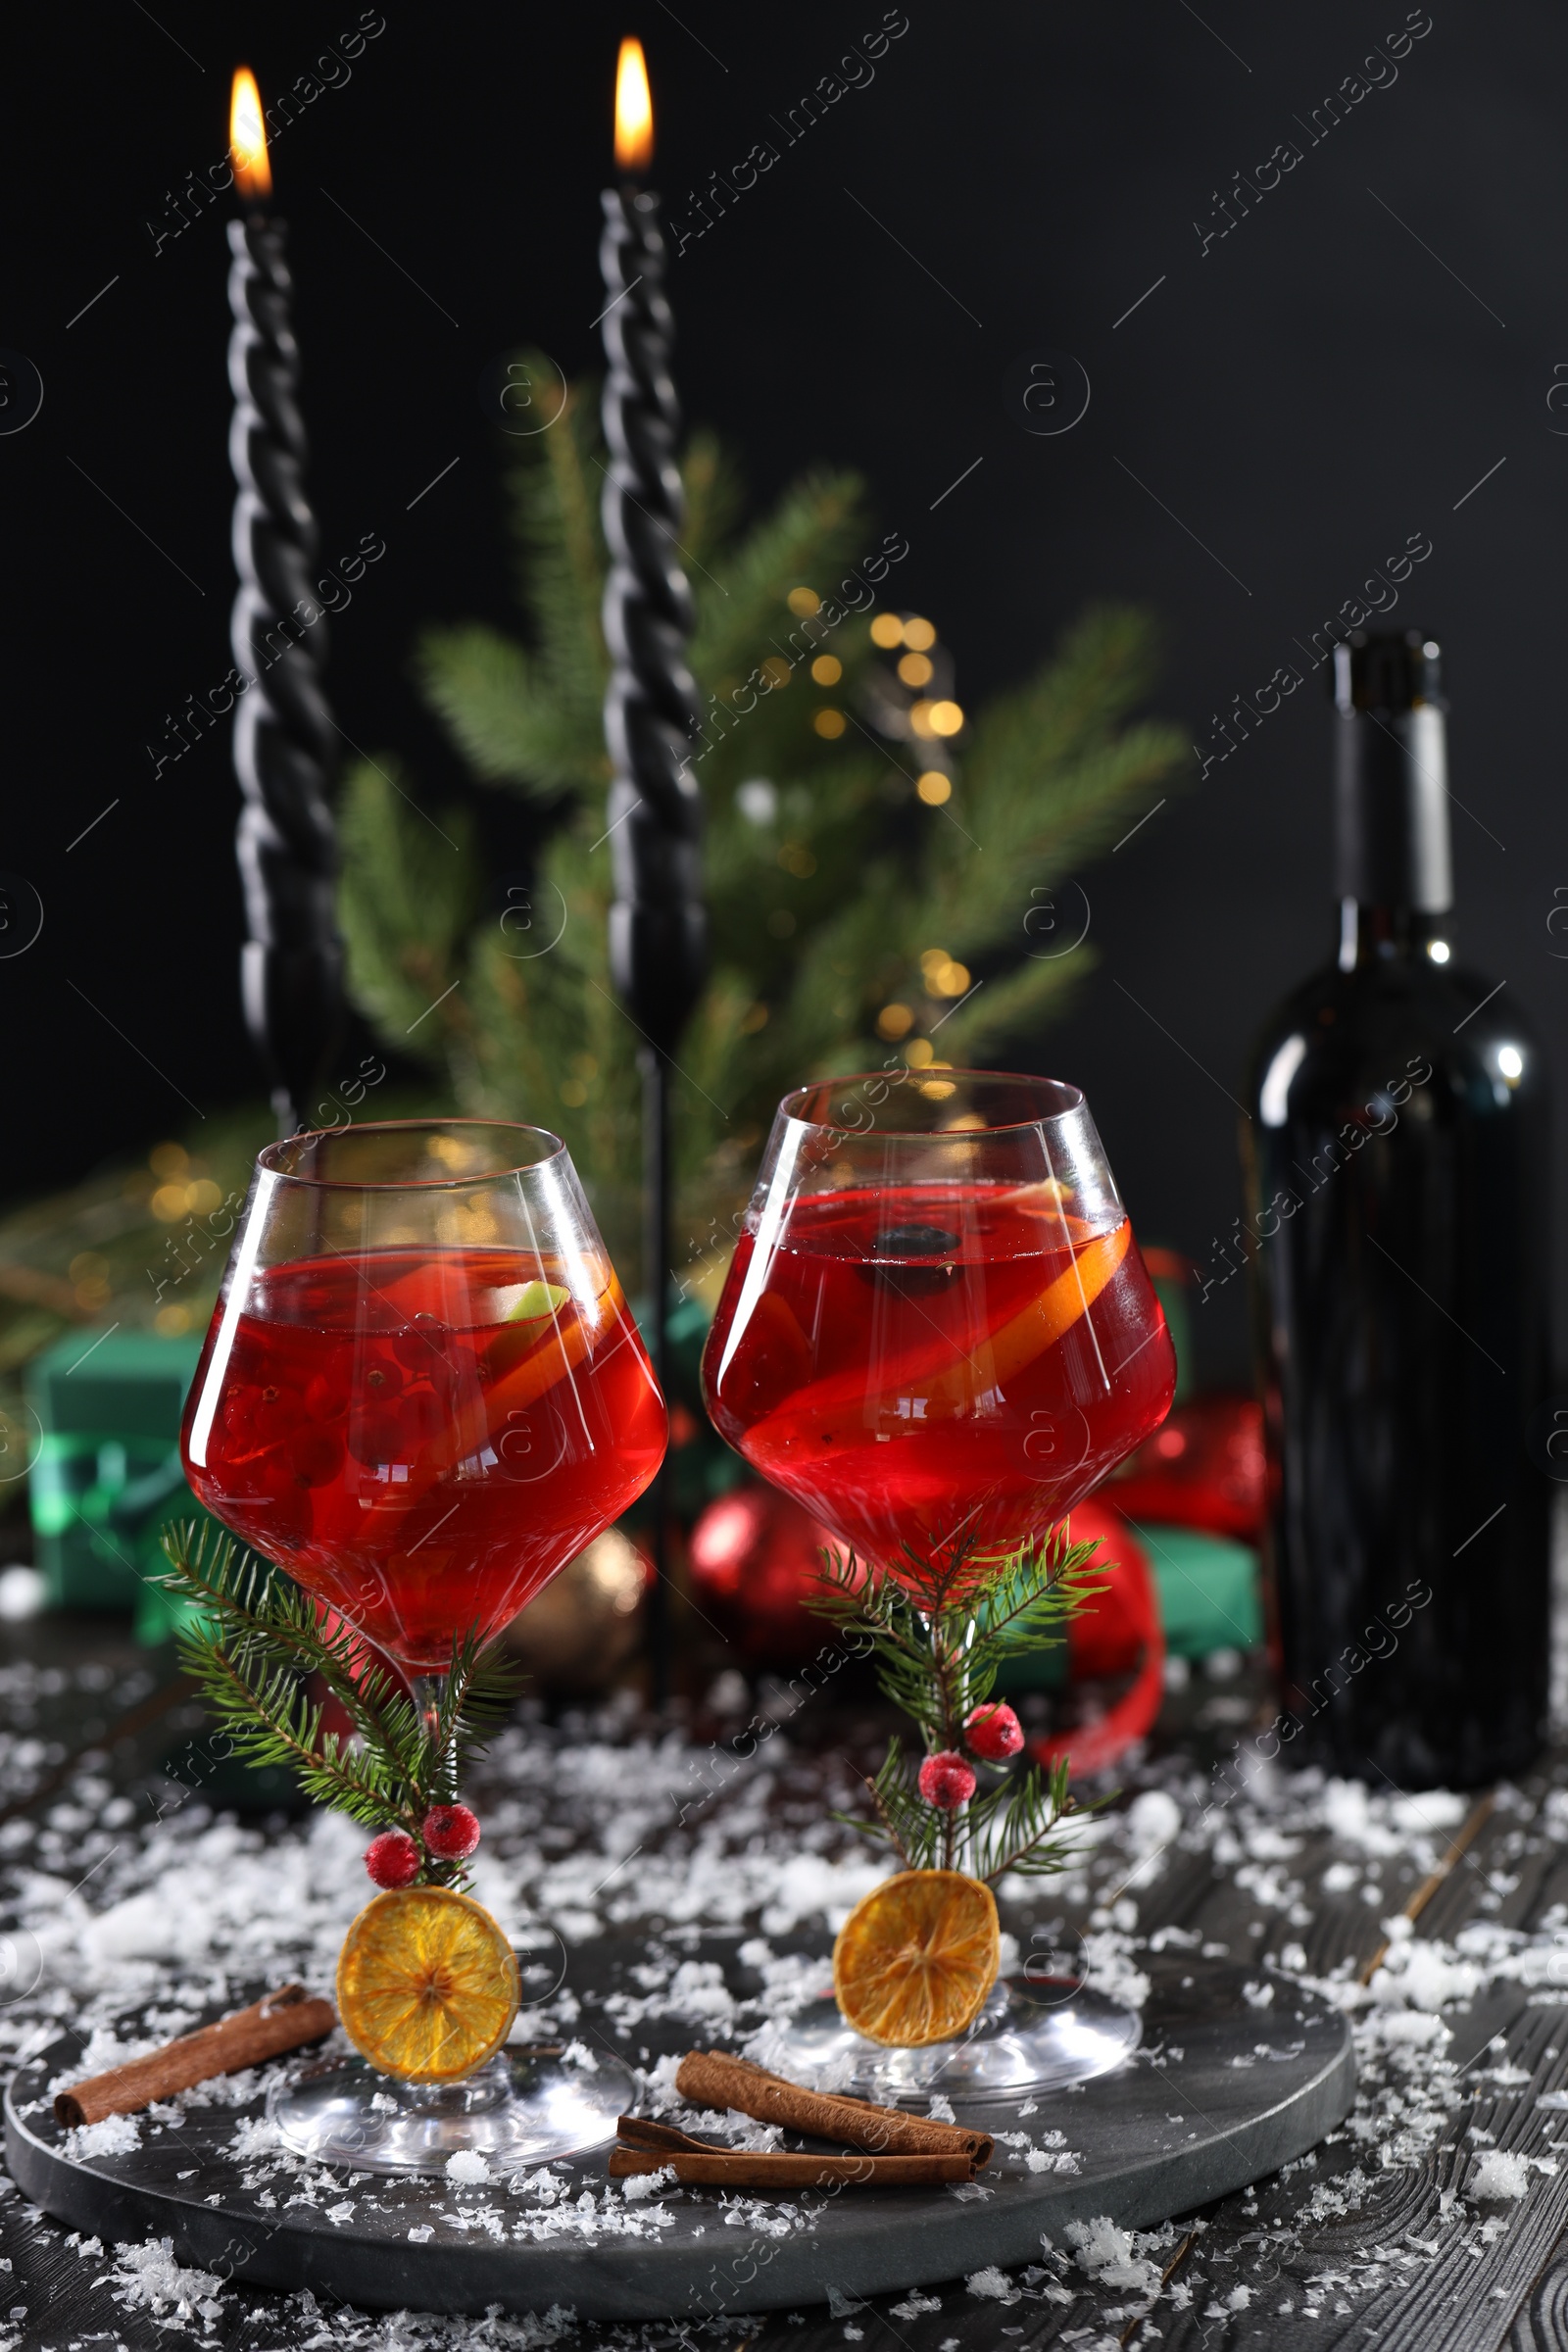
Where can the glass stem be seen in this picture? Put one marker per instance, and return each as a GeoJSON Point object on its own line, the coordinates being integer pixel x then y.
{"type": "Point", "coordinates": [428, 1691]}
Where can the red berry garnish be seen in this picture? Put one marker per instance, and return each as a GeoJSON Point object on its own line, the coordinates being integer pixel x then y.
{"type": "Point", "coordinates": [450, 1832]}
{"type": "Point", "coordinates": [994, 1731]}
{"type": "Point", "coordinates": [946, 1779]}
{"type": "Point", "coordinates": [392, 1860]}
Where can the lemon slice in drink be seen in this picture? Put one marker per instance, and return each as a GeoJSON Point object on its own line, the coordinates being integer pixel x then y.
{"type": "Point", "coordinates": [426, 1984]}
{"type": "Point", "coordinates": [537, 1300]}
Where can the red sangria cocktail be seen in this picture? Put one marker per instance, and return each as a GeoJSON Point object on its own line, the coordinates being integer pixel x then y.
{"type": "Point", "coordinates": [423, 1437]}
{"type": "Point", "coordinates": [951, 1361]}
{"type": "Point", "coordinates": [422, 1394]}
{"type": "Point", "coordinates": [938, 1335]}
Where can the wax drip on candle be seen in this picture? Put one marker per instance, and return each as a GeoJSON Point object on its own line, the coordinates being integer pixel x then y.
{"type": "Point", "coordinates": [657, 924]}
{"type": "Point", "coordinates": [292, 961]}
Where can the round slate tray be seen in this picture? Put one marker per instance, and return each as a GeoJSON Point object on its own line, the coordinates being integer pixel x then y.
{"type": "Point", "coordinates": [1220, 2091]}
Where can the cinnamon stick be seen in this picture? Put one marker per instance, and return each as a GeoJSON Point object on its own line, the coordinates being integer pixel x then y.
{"type": "Point", "coordinates": [280, 2021]}
{"type": "Point", "coordinates": [746, 2168]}
{"type": "Point", "coordinates": [641, 2132]}
{"type": "Point", "coordinates": [713, 2079]}
{"type": "Point", "coordinates": [646, 2146]}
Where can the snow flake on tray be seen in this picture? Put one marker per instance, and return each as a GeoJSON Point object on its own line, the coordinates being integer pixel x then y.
{"type": "Point", "coordinates": [637, 2185]}
{"type": "Point", "coordinates": [115, 2135]}
{"type": "Point", "coordinates": [993, 2283]}
{"type": "Point", "coordinates": [1110, 1969]}
{"type": "Point", "coordinates": [255, 2136]}
{"type": "Point", "coordinates": [913, 2306]}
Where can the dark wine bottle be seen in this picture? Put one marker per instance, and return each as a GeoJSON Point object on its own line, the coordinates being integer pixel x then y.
{"type": "Point", "coordinates": [1395, 1165]}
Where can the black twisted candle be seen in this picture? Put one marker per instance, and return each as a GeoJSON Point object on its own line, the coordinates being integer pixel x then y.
{"type": "Point", "coordinates": [657, 934]}
{"type": "Point", "coordinates": [657, 926]}
{"type": "Point", "coordinates": [292, 961]}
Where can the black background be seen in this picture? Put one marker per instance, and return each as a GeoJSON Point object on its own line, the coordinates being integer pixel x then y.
{"type": "Point", "coordinates": [1319, 385]}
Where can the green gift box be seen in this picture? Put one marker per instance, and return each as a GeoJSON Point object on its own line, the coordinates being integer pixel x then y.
{"type": "Point", "coordinates": [1208, 1592]}
{"type": "Point", "coordinates": [108, 1477]}
{"type": "Point", "coordinates": [1208, 1589]}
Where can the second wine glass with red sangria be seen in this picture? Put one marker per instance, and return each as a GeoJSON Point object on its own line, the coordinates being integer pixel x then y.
{"type": "Point", "coordinates": [938, 1335]}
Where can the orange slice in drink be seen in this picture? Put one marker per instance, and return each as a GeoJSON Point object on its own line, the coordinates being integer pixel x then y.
{"type": "Point", "coordinates": [1071, 1293]}
{"type": "Point", "coordinates": [950, 1380]}
{"type": "Point", "coordinates": [916, 1958]}
{"type": "Point", "coordinates": [426, 1984]}
{"type": "Point", "coordinates": [533, 1353]}
{"type": "Point", "coordinates": [525, 1360]}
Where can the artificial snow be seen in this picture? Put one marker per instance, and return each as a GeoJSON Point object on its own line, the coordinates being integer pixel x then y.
{"type": "Point", "coordinates": [1111, 2258]}
{"type": "Point", "coordinates": [187, 1915]}
{"type": "Point", "coordinates": [994, 2284]}
{"type": "Point", "coordinates": [115, 2135]}
{"type": "Point", "coordinates": [1499, 2173]}
{"type": "Point", "coordinates": [147, 2278]}
{"type": "Point", "coordinates": [1109, 1968]}
{"type": "Point", "coordinates": [637, 2185]}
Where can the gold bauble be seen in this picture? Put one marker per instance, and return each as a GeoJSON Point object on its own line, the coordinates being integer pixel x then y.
{"type": "Point", "coordinates": [583, 1627]}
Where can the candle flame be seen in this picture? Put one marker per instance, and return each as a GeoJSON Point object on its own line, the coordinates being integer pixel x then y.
{"type": "Point", "coordinates": [634, 110]}
{"type": "Point", "coordinates": [247, 138]}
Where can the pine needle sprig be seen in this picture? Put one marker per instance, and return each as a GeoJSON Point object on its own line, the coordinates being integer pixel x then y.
{"type": "Point", "coordinates": [940, 1631]}
{"type": "Point", "coordinates": [253, 1638]}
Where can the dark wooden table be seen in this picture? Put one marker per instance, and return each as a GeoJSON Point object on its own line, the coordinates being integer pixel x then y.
{"type": "Point", "coordinates": [1381, 2236]}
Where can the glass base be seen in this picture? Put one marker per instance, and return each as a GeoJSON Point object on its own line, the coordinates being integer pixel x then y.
{"type": "Point", "coordinates": [525, 2108]}
{"type": "Point", "coordinates": [1034, 2034]}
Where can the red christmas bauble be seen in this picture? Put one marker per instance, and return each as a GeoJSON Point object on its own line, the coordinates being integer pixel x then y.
{"type": "Point", "coordinates": [754, 1555]}
{"type": "Point", "coordinates": [1202, 1468]}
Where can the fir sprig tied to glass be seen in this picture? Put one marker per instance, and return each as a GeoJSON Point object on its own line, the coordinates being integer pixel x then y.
{"type": "Point", "coordinates": [940, 1636]}
{"type": "Point", "coordinates": [256, 1646]}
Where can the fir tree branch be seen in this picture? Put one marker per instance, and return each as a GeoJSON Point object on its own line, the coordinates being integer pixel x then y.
{"type": "Point", "coordinates": [825, 883]}
{"type": "Point", "coordinates": [889, 1826]}
{"type": "Point", "coordinates": [939, 1631]}
{"type": "Point", "coordinates": [263, 1612]}
{"type": "Point", "coordinates": [273, 1726]}
{"type": "Point", "coordinates": [257, 1634]}
{"type": "Point", "coordinates": [1034, 1803]}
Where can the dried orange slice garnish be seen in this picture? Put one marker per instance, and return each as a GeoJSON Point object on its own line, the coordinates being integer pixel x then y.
{"type": "Point", "coordinates": [916, 1957]}
{"type": "Point", "coordinates": [426, 1984]}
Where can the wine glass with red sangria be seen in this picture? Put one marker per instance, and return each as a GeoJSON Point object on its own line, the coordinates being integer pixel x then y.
{"type": "Point", "coordinates": [422, 1394]}
{"type": "Point", "coordinates": [938, 1335]}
